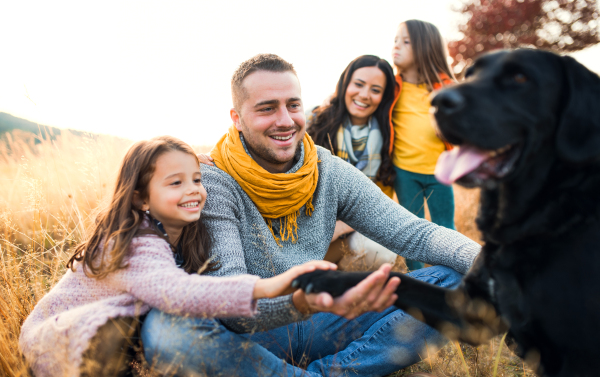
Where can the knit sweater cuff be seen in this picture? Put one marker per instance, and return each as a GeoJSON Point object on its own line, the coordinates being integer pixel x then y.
{"type": "Point", "coordinates": [296, 315]}
{"type": "Point", "coordinates": [246, 303]}
{"type": "Point", "coordinates": [279, 312]}
{"type": "Point", "coordinates": [272, 313]}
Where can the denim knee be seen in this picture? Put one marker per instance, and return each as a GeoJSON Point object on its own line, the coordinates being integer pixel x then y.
{"type": "Point", "coordinates": [185, 346]}
{"type": "Point", "coordinates": [441, 276]}
{"type": "Point", "coordinates": [168, 339]}
{"type": "Point", "coordinates": [154, 334]}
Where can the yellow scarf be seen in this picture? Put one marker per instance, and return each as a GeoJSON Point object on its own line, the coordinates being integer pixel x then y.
{"type": "Point", "coordinates": [277, 196]}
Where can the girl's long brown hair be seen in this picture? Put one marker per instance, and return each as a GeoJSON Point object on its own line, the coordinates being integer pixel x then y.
{"type": "Point", "coordinates": [107, 246]}
{"type": "Point", "coordinates": [429, 52]}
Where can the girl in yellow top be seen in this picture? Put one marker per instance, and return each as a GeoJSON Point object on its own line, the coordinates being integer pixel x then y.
{"type": "Point", "coordinates": [420, 56]}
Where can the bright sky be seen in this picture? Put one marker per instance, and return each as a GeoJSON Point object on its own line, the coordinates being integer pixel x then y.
{"type": "Point", "coordinates": [138, 69]}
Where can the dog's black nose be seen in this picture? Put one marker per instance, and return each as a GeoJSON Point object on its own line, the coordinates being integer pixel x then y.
{"type": "Point", "coordinates": [448, 101]}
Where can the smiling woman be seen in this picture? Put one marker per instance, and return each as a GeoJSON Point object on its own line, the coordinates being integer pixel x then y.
{"type": "Point", "coordinates": [356, 127]}
{"type": "Point", "coordinates": [364, 93]}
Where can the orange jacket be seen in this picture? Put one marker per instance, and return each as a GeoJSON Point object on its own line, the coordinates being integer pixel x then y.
{"type": "Point", "coordinates": [445, 79]}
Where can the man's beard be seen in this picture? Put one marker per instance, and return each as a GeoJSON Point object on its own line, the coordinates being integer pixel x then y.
{"type": "Point", "coordinates": [265, 153]}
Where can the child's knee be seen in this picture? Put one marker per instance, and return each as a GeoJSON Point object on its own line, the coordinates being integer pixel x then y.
{"type": "Point", "coordinates": [169, 337]}
{"type": "Point", "coordinates": [155, 335]}
{"type": "Point", "coordinates": [108, 352]}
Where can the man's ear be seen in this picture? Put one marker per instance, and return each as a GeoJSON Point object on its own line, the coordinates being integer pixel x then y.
{"type": "Point", "coordinates": [235, 117]}
{"type": "Point", "coordinates": [578, 134]}
{"type": "Point", "coordinates": [138, 202]}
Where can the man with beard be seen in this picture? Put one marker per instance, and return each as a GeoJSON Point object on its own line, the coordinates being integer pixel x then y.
{"type": "Point", "coordinates": [273, 201]}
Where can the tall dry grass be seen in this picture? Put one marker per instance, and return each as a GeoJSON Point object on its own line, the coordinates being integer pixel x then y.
{"type": "Point", "coordinates": [50, 192]}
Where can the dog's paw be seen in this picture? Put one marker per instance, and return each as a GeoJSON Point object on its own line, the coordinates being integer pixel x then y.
{"type": "Point", "coordinates": [315, 281]}
{"type": "Point", "coordinates": [331, 281]}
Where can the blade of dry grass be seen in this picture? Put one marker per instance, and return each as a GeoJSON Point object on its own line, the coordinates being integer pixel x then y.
{"type": "Point", "coordinates": [462, 358]}
{"type": "Point", "coordinates": [498, 356]}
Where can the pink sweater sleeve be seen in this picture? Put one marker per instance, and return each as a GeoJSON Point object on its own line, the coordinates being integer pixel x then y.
{"type": "Point", "coordinates": [153, 277]}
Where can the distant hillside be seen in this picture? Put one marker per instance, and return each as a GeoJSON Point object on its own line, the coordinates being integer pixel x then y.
{"type": "Point", "coordinates": [9, 123]}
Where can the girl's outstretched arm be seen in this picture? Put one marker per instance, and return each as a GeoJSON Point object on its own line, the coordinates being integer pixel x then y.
{"type": "Point", "coordinates": [153, 277]}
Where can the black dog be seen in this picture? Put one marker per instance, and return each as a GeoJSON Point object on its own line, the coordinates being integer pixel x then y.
{"type": "Point", "coordinates": [527, 124]}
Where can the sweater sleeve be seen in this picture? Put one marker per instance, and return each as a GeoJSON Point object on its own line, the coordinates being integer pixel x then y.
{"type": "Point", "coordinates": [221, 217]}
{"type": "Point", "coordinates": [363, 206]}
{"type": "Point", "coordinates": [152, 276]}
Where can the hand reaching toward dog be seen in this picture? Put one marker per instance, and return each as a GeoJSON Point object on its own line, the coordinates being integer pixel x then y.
{"type": "Point", "coordinates": [374, 293]}
{"type": "Point", "coordinates": [281, 284]}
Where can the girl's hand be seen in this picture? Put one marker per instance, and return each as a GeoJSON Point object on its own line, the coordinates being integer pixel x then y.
{"type": "Point", "coordinates": [205, 159]}
{"type": "Point", "coordinates": [280, 285]}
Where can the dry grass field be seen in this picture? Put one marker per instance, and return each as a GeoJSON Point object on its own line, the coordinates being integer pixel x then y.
{"type": "Point", "coordinates": [50, 192]}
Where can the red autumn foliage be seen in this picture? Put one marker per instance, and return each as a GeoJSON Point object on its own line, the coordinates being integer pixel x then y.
{"type": "Point", "coordinates": [558, 25]}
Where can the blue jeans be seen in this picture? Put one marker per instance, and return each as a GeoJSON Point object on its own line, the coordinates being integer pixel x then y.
{"type": "Point", "coordinates": [373, 344]}
{"type": "Point", "coordinates": [413, 189]}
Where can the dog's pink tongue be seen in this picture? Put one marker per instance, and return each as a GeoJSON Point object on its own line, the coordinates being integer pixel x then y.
{"type": "Point", "coordinates": [458, 162]}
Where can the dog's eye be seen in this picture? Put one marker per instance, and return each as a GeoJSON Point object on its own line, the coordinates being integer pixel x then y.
{"type": "Point", "coordinates": [520, 78]}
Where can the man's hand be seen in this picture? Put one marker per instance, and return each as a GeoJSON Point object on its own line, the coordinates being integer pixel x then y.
{"type": "Point", "coordinates": [205, 159]}
{"type": "Point", "coordinates": [371, 294]}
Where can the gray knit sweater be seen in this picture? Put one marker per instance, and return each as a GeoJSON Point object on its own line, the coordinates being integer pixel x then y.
{"type": "Point", "coordinates": [243, 243]}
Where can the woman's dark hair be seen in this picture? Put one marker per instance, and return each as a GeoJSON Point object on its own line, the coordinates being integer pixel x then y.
{"type": "Point", "coordinates": [118, 224]}
{"type": "Point", "coordinates": [327, 120]}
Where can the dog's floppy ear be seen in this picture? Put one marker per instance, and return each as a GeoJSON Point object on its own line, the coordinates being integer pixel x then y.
{"type": "Point", "coordinates": [578, 134]}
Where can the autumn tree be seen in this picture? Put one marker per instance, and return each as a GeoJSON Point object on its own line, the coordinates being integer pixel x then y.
{"type": "Point", "coordinates": [559, 25]}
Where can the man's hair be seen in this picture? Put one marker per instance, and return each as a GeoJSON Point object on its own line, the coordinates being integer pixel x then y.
{"type": "Point", "coordinates": [260, 62]}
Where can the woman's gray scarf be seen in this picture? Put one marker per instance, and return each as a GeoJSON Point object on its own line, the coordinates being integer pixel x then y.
{"type": "Point", "coordinates": [361, 146]}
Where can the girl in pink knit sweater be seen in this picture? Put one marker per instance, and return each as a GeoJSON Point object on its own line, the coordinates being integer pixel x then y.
{"type": "Point", "coordinates": [131, 262]}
